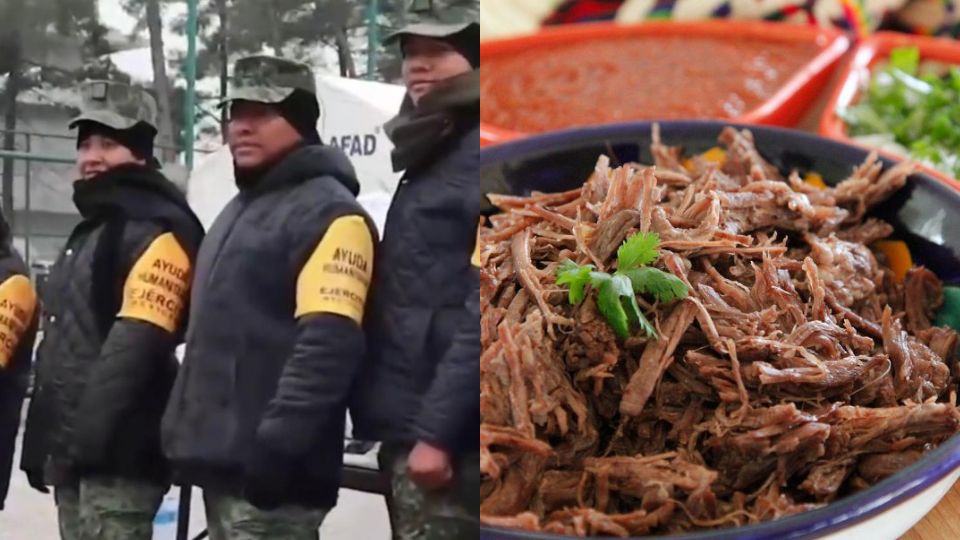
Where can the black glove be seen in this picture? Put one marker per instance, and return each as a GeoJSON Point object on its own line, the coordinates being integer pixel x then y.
{"type": "Point", "coordinates": [36, 481]}
{"type": "Point", "coordinates": [268, 477]}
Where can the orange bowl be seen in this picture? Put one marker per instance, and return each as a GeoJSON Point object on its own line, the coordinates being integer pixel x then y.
{"type": "Point", "coordinates": [856, 74]}
{"type": "Point", "coordinates": [783, 108]}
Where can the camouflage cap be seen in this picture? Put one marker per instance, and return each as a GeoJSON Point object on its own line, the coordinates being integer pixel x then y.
{"type": "Point", "coordinates": [115, 105]}
{"type": "Point", "coordinates": [436, 19]}
{"type": "Point", "coordinates": [268, 79]}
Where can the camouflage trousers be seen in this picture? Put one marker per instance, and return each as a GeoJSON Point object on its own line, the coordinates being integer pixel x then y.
{"type": "Point", "coordinates": [232, 518]}
{"type": "Point", "coordinates": [106, 508]}
{"type": "Point", "coordinates": [418, 514]}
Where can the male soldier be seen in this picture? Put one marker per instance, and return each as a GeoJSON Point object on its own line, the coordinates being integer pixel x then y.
{"type": "Point", "coordinates": [18, 329]}
{"type": "Point", "coordinates": [115, 314]}
{"type": "Point", "coordinates": [418, 392]}
{"type": "Point", "coordinates": [257, 413]}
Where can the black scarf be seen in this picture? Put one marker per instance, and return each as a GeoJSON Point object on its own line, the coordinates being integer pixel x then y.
{"type": "Point", "coordinates": [129, 193]}
{"type": "Point", "coordinates": [136, 193]}
{"type": "Point", "coordinates": [418, 131]}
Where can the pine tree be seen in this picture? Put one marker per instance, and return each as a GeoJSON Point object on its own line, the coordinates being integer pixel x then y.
{"type": "Point", "coordinates": [150, 15]}
{"type": "Point", "coordinates": [38, 39]}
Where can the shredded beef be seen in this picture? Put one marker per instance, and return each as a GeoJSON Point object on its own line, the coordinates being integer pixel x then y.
{"type": "Point", "coordinates": [798, 368]}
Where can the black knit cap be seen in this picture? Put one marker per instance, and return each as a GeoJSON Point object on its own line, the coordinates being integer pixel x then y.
{"type": "Point", "coordinates": [302, 111]}
{"type": "Point", "coordinates": [466, 42]}
{"type": "Point", "coordinates": [139, 138]}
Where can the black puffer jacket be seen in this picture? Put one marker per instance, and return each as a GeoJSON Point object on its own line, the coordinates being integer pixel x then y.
{"type": "Point", "coordinates": [18, 329]}
{"type": "Point", "coordinates": [115, 310]}
{"type": "Point", "coordinates": [421, 377]}
{"type": "Point", "coordinates": [264, 373]}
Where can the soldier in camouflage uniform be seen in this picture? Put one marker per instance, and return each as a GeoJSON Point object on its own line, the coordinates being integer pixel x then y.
{"type": "Point", "coordinates": [256, 418]}
{"type": "Point", "coordinates": [114, 315]}
{"type": "Point", "coordinates": [418, 389]}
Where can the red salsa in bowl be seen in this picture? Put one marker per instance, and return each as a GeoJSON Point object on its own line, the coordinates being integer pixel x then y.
{"type": "Point", "coordinates": [605, 73]}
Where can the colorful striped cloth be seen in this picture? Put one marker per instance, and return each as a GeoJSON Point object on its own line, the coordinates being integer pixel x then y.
{"type": "Point", "coordinates": [858, 16]}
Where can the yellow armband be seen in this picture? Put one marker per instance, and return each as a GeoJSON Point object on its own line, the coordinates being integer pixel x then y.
{"type": "Point", "coordinates": [18, 302]}
{"type": "Point", "coordinates": [337, 276]}
{"type": "Point", "coordinates": [158, 287]}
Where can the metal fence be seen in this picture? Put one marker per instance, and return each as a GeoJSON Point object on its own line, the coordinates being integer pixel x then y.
{"type": "Point", "coordinates": [19, 207]}
{"type": "Point", "coordinates": [43, 167]}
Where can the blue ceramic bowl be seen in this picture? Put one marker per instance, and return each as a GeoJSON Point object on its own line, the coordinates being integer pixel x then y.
{"type": "Point", "coordinates": [925, 214]}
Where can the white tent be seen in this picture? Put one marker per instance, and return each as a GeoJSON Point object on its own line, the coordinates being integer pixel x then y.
{"type": "Point", "coordinates": [352, 114]}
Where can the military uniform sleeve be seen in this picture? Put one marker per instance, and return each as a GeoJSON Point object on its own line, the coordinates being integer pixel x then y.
{"type": "Point", "coordinates": [155, 295]}
{"type": "Point", "coordinates": [331, 295]}
{"type": "Point", "coordinates": [451, 407]}
{"type": "Point", "coordinates": [18, 304]}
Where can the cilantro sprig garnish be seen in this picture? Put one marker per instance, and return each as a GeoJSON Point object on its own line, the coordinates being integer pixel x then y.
{"type": "Point", "coordinates": [616, 293]}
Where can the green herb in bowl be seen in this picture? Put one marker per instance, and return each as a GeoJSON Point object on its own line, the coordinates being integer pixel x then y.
{"type": "Point", "coordinates": [911, 107]}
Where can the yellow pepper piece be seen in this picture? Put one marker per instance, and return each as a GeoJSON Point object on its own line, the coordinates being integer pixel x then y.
{"type": "Point", "coordinates": [714, 155]}
{"type": "Point", "coordinates": [898, 256]}
{"type": "Point", "coordinates": [815, 180]}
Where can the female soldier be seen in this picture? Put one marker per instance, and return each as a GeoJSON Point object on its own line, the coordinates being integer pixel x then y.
{"type": "Point", "coordinates": [115, 313]}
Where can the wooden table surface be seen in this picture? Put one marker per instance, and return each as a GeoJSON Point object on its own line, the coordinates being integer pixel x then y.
{"type": "Point", "coordinates": [942, 523]}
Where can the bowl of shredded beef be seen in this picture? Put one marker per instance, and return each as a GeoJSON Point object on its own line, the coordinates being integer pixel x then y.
{"type": "Point", "coordinates": [800, 387]}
